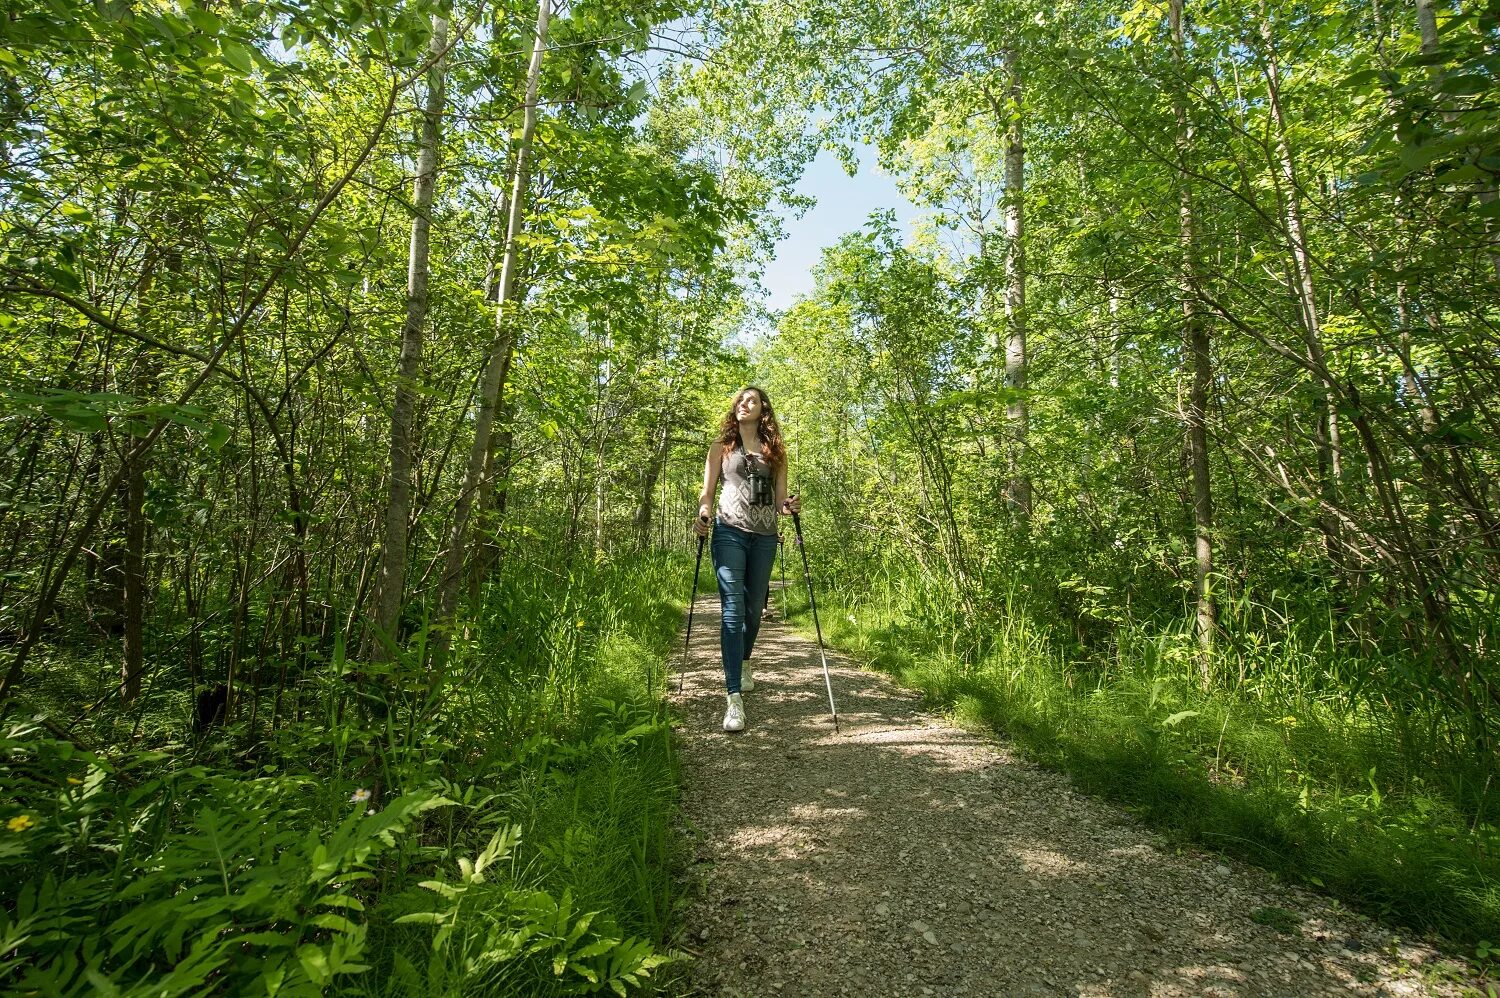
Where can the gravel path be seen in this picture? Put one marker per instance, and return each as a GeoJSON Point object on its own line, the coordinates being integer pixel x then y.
{"type": "Point", "coordinates": [906, 857]}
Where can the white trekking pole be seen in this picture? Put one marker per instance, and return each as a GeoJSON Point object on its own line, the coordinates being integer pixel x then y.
{"type": "Point", "coordinates": [817, 628]}
{"type": "Point", "coordinates": [693, 598]}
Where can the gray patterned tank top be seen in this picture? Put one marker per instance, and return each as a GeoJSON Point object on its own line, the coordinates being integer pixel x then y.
{"type": "Point", "coordinates": [749, 497]}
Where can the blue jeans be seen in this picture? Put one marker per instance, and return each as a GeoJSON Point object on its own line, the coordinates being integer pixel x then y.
{"type": "Point", "coordinates": [742, 562]}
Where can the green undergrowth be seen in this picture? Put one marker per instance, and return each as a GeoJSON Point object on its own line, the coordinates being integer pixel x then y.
{"type": "Point", "coordinates": [504, 829]}
{"type": "Point", "coordinates": [1383, 807]}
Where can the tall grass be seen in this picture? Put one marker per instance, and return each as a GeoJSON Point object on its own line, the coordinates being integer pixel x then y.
{"type": "Point", "coordinates": [1299, 758]}
{"type": "Point", "coordinates": [503, 830]}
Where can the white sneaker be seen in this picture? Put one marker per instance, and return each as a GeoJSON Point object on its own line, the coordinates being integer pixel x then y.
{"type": "Point", "coordinates": [734, 717]}
{"type": "Point", "coordinates": [746, 683]}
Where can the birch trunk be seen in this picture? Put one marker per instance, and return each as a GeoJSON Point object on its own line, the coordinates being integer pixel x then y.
{"type": "Point", "coordinates": [1427, 27]}
{"type": "Point", "coordinates": [1018, 489]}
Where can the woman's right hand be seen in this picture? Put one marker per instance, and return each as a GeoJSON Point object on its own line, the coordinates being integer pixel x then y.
{"type": "Point", "coordinates": [700, 525]}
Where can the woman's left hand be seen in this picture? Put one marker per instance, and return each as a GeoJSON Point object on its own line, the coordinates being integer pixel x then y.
{"type": "Point", "coordinates": [791, 506]}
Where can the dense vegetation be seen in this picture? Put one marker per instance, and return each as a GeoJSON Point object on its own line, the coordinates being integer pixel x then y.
{"type": "Point", "coordinates": [359, 360]}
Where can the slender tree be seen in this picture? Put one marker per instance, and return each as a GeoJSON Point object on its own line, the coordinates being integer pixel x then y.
{"type": "Point", "coordinates": [1019, 488]}
{"type": "Point", "coordinates": [1304, 288]}
{"type": "Point", "coordinates": [1196, 357]}
{"type": "Point", "coordinates": [503, 343]}
{"type": "Point", "coordinates": [390, 590]}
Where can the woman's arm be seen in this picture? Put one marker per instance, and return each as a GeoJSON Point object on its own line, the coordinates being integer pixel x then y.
{"type": "Point", "coordinates": [710, 483]}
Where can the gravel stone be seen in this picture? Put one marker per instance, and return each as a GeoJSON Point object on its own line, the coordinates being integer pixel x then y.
{"type": "Point", "coordinates": [906, 856]}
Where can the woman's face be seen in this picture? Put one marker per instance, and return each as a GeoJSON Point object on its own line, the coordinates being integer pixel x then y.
{"type": "Point", "coordinates": [747, 407]}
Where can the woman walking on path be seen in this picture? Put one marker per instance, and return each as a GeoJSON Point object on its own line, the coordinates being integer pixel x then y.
{"type": "Point", "coordinates": [750, 458]}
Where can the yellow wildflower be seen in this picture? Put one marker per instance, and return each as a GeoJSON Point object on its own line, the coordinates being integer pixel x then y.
{"type": "Point", "coordinates": [20, 823]}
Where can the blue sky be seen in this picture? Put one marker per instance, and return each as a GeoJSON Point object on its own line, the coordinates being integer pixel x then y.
{"type": "Point", "coordinates": [844, 203]}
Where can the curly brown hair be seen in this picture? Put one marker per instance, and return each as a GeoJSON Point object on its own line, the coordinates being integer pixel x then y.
{"type": "Point", "coordinates": [771, 446]}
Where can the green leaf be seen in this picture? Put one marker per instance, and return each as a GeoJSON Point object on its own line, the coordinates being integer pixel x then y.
{"type": "Point", "coordinates": [236, 55]}
{"type": "Point", "coordinates": [81, 417]}
{"type": "Point", "coordinates": [332, 922]}
{"type": "Point", "coordinates": [1362, 77]}
{"type": "Point", "coordinates": [205, 20]}
{"type": "Point", "coordinates": [1466, 84]}
{"type": "Point", "coordinates": [315, 962]}
{"type": "Point", "coordinates": [218, 436]}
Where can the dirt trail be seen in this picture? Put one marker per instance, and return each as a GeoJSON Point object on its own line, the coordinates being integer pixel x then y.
{"type": "Point", "coordinates": [907, 857]}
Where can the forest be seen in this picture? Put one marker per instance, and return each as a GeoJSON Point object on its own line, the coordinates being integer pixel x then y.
{"type": "Point", "coordinates": [359, 362]}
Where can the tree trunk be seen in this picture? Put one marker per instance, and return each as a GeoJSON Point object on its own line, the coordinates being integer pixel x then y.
{"type": "Point", "coordinates": [488, 555]}
{"type": "Point", "coordinates": [649, 475]}
{"type": "Point", "coordinates": [390, 590]}
{"type": "Point", "coordinates": [491, 496]}
{"type": "Point", "coordinates": [498, 363]}
{"type": "Point", "coordinates": [605, 387]}
{"type": "Point", "coordinates": [1197, 360]}
{"type": "Point", "coordinates": [1018, 490]}
{"type": "Point", "coordinates": [132, 660]}
{"type": "Point", "coordinates": [1326, 434]}
{"type": "Point", "coordinates": [1427, 26]}
{"type": "Point", "coordinates": [145, 382]}
{"type": "Point", "coordinates": [1413, 391]}
{"type": "Point", "coordinates": [107, 591]}
{"type": "Point", "coordinates": [1116, 338]}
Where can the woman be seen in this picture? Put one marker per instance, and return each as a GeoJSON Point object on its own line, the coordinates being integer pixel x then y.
{"type": "Point", "coordinates": [750, 459]}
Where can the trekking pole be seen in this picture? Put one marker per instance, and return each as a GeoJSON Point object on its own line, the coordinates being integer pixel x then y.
{"type": "Point", "coordinates": [781, 556]}
{"type": "Point", "coordinates": [818, 628]}
{"type": "Point", "coordinates": [693, 598]}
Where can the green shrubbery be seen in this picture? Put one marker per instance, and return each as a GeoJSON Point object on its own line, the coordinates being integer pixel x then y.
{"type": "Point", "coordinates": [504, 834]}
